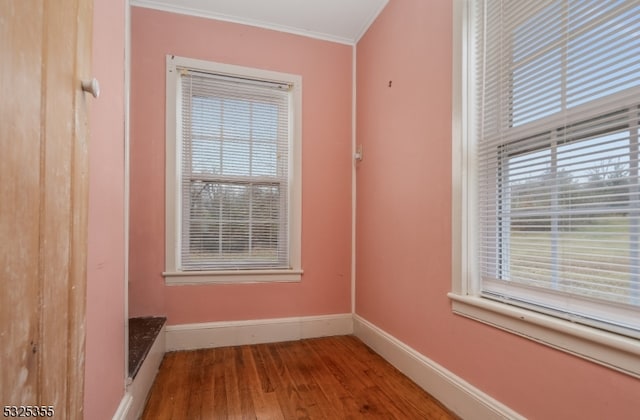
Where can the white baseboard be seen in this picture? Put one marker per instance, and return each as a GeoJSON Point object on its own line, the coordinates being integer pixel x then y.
{"type": "Point", "coordinates": [455, 393]}
{"type": "Point", "coordinates": [138, 389]}
{"type": "Point", "coordinates": [124, 407]}
{"type": "Point", "coordinates": [236, 333]}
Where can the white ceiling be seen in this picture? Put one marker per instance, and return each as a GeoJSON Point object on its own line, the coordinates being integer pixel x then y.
{"type": "Point", "coordinates": [343, 21]}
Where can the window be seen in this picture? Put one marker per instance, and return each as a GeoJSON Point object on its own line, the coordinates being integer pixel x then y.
{"type": "Point", "coordinates": [233, 173]}
{"type": "Point", "coordinates": [546, 118]}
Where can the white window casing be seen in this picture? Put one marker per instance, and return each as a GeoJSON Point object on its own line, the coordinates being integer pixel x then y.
{"type": "Point", "coordinates": [233, 174]}
{"type": "Point", "coordinates": [546, 193]}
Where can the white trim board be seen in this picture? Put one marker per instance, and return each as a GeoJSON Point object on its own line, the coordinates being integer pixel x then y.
{"type": "Point", "coordinates": [123, 409]}
{"type": "Point", "coordinates": [454, 392]}
{"type": "Point", "coordinates": [354, 163]}
{"type": "Point", "coordinates": [137, 391]}
{"type": "Point", "coordinates": [237, 333]}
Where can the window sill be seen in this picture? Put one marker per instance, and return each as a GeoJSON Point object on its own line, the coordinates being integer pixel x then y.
{"type": "Point", "coordinates": [614, 351]}
{"type": "Point", "coordinates": [182, 278]}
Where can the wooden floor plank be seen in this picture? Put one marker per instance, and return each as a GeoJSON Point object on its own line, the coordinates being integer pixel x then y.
{"type": "Point", "coordinates": [353, 379]}
{"type": "Point", "coordinates": [265, 402]}
{"type": "Point", "coordinates": [326, 378]}
{"type": "Point", "coordinates": [306, 387]}
{"type": "Point", "coordinates": [196, 380]}
{"type": "Point", "coordinates": [238, 402]}
{"type": "Point", "coordinates": [220, 409]}
{"type": "Point", "coordinates": [316, 377]}
{"type": "Point", "coordinates": [156, 404]}
{"type": "Point", "coordinates": [398, 388]}
{"type": "Point", "coordinates": [207, 384]}
{"type": "Point", "coordinates": [181, 375]}
{"type": "Point", "coordinates": [291, 404]}
{"type": "Point", "coordinates": [329, 384]}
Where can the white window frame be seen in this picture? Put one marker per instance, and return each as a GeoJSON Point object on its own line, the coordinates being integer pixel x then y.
{"type": "Point", "coordinates": [618, 352]}
{"type": "Point", "coordinates": [172, 274]}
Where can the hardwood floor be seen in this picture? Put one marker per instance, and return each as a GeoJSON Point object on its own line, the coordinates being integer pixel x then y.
{"type": "Point", "coordinates": [324, 378]}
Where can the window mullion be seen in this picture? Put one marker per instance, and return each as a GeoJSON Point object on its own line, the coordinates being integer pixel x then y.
{"type": "Point", "coordinates": [555, 231]}
{"type": "Point", "coordinates": [185, 144]}
{"type": "Point", "coordinates": [563, 56]}
{"type": "Point", "coordinates": [282, 163]}
{"type": "Point", "coordinates": [220, 193]}
{"type": "Point", "coordinates": [634, 199]}
{"type": "Point", "coordinates": [250, 222]}
{"type": "Point", "coordinates": [503, 204]}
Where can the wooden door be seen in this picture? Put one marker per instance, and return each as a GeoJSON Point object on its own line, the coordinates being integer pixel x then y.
{"type": "Point", "coordinates": [45, 50]}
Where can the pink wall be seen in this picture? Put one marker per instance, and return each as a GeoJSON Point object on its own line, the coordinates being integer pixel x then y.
{"type": "Point", "coordinates": [104, 374]}
{"type": "Point", "coordinates": [326, 225]}
{"type": "Point", "coordinates": [404, 223]}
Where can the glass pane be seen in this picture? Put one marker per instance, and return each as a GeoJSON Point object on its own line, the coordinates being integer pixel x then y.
{"type": "Point", "coordinates": [593, 238]}
{"type": "Point", "coordinates": [598, 169]}
{"type": "Point", "coordinates": [204, 240]}
{"type": "Point", "coordinates": [202, 227]}
{"type": "Point", "coordinates": [205, 116]}
{"type": "Point", "coordinates": [266, 203]}
{"type": "Point", "coordinates": [526, 243]}
{"type": "Point", "coordinates": [529, 180]}
{"type": "Point", "coordinates": [236, 119]}
{"type": "Point", "coordinates": [205, 158]}
{"type": "Point", "coordinates": [595, 256]}
{"type": "Point", "coordinates": [265, 238]}
{"type": "Point", "coordinates": [205, 198]}
{"type": "Point", "coordinates": [264, 159]}
{"type": "Point", "coordinates": [205, 135]}
{"type": "Point", "coordinates": [264, 124]}
{"type": "Point", "coordinates": [235, 239]}
{"type": "Point", "coordinates": [527, 37]}
{"type": "Point", "coordinates": [235, 202]}
{"type": "Point", "coordinates": [613, 47]}
{"type": "Point", "coordinates": [236, 157]}
{"type": "Point", "coordinates": [537, 88]}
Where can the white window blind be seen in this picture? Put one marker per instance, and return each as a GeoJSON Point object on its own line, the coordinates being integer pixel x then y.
{"type": "Point", "coordinates": [234, 179]}
{"type": "Point", "coordinates": [558, 107]}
